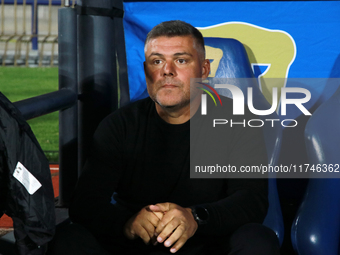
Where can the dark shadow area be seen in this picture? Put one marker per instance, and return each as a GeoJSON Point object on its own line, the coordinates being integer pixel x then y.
{"type": "Point", "coordinates": [7, 244]}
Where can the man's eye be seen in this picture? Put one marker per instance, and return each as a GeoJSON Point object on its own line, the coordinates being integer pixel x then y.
{"type": "Point", "coordinates": [181, 61]}
{"type": "Point", "coordinates": [157, 61]}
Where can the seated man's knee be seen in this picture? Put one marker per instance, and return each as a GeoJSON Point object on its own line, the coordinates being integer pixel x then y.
{"type": "Point", "coordinates": [254, 239]}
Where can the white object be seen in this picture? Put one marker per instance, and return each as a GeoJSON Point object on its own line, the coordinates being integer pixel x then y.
{"type": "Point", "coordinates": [26, 178]}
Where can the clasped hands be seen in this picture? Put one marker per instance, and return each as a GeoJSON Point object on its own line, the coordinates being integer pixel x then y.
{"type": "Point", "coordinates": [164, 222]}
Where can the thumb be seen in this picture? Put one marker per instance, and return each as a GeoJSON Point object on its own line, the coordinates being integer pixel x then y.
{"type": "Point", "coordinates": [163, 207]}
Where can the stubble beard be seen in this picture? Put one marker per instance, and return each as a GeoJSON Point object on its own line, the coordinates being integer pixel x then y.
{"type": "Point", "coordinates": [159, 99]}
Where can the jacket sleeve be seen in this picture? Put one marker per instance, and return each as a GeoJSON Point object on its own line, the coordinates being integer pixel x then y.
{"type": "Point", "coordinates": [91, 204]}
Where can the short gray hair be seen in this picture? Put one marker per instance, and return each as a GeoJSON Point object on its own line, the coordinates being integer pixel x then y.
{"type": "Point", "coordinates": [174, 28]}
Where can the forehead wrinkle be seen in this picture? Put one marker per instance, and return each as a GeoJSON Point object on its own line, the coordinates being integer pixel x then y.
{"type": "Point", "coordinates": [156, 54]}
{"type": "Point", "coordinates": [183, 53]}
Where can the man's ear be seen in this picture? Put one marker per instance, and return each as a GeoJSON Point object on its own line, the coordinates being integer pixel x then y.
{"type": "Point", "coordinates": [205, 69]}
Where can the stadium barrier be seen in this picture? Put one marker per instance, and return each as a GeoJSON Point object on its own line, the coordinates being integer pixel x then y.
{"type": "Point", "coordinates": [16, 37]}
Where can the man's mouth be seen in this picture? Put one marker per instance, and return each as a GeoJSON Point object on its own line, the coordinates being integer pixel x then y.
{"type": "Point", "coordinates": [169, 86]}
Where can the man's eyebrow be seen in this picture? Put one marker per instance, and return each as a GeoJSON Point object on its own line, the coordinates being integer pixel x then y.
{"type": "Point", "coordinates": [176, 54]}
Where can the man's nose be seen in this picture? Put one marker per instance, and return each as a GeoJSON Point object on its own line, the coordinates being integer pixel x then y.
{"type": "Point", "coordinates": [169, 69]}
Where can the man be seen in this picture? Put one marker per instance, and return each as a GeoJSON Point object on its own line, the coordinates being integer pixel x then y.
{"type": "Point", "coordinates": [141, 153]}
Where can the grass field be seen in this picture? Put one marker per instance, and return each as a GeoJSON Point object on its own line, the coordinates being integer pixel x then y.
{"type": "Point", "coordinates": [18, 83]}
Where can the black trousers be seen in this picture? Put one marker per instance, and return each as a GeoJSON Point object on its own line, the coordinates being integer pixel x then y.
{"type": "Point", "coordinates": [250, 239]}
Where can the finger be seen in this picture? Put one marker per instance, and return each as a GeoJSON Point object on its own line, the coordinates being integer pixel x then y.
{"type": "Point", "coordinates": [143, 234]}
{"type": "Point", "coordinates": [167, 230]}
{"type": "Point", "coordinates": [159, 215]}
{"type": "Point", "coordinates": [142, 225]}
{"type": "Point", "coordinates": [130, 234]}
{"type": "Point", "coordinates": [150, 228]}
{"type": "Point", "coordinates": [175, 236]}
{"type": "Point", "coordinates": [154, 218]}
{"type": "Point", "coordinates": [150, 216]}
{"type": "Point", "coordinates": [161, 225]}
{"type": "Point", "coordinates": [179, 244]}
{"type": "Point", "coordinates": [168, 217]}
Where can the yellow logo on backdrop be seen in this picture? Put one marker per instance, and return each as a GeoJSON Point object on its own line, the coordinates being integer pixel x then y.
{"type": "Point", "coordinates": [272, 51]}
{"type": "Point", "coordinates": [216, 54]}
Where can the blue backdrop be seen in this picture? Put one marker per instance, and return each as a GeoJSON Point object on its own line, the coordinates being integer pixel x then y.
{"type": "Point", "coordinates": [290, 39]}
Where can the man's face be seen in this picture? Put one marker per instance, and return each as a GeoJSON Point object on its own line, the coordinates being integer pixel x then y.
{"type": "Point", "coordinates": [170, 62]}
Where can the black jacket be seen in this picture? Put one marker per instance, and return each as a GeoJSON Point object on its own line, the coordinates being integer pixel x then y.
{"type": "Point", "coordinates": [26, 192]}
